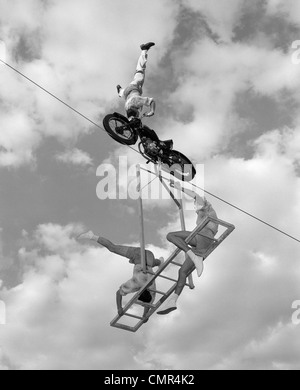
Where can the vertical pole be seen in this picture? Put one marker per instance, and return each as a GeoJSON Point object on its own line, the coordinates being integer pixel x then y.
{"type": "Point", "coordinates": [141, 219]}
{"type": "Point", "coordinates": [183, 226]}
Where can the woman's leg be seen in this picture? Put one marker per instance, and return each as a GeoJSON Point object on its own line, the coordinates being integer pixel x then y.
{"type": "Point", "coordinates": [186, 268]}
{"type": "Point", "coordinates": [117, 249]}
{"type": "Point", "coordinates": [192, 261]}
{"type": "Point", "coordinates": [178, 239]}
{"type": "Point", "coordinates": [203, 243]}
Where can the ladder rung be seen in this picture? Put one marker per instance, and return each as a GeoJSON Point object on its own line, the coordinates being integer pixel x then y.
{"type": "Point", "coordinates": [144, 304]}
{"type": "Point", "coordinates": [133, 316]}
{"type": "Point", "coordinates": [176, 263]}
{"type": "Point", "coordinates": [124, 327]}
{"type": "Point", "coordinates": [172, 280]}
{"type": "Point", "coordinates": [156, 291]}
{"type": "Point", "coordinates": [166, 277]}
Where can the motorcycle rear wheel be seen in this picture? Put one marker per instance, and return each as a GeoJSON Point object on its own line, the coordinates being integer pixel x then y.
{"type": "Point", "coordinates": [180, 166]}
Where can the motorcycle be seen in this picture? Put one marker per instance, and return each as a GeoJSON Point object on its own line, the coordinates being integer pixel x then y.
{"type": "Point", "coordinates": [150, 146]}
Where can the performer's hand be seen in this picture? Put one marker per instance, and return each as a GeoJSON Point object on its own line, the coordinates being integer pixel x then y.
{"type": "Point", "coordinates": [120, 311]}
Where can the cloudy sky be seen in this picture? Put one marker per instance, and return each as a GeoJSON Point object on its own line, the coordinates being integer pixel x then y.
{"type": "Point", "coordinates": [227, 92]}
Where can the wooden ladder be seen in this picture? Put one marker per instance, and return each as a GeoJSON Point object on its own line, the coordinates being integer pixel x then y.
{"type": "Point", "coordinates": [117, 321]}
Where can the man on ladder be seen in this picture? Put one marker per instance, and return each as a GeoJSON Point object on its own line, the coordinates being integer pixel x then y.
{"type": "Point", "coordinates": [139, 278]}
{"type": "Point", "coordinates": [199, 245]}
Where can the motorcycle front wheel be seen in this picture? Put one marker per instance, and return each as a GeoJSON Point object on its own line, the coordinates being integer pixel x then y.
{"type": "Point", "coordinates": [119, 129]}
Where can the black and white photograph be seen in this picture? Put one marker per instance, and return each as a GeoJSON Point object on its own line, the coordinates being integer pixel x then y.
{"type": "Point", "coordinates": [149, 187]}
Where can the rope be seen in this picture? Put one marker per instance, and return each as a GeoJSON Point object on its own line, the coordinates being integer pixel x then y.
{"type": "Point", "coordinates": [195, 186]}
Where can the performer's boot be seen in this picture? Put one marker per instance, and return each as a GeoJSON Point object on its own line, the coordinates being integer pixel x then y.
{"type": "Point", "coordinates": [147, 46]}
{"type": "Point", "coordinates": [198, 261]}
{"type": "Point", "coordinates": [169, 305]}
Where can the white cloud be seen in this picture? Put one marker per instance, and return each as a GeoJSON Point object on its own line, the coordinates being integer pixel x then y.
{"type": "Point", "coordinates": [289, 9]}
{"type": "Point", "coordinates": [284, 142]}
{"type": "Point", "coordinates": [75, 156]}
{"type": "Point", "coordinates": [17, 138]}
{"type": "Point", "coordinates": [279, 346]}
{"type": "Point", "coordinates": [221, 16]}
{"type": "Point", "coordinates": [210, 79]}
